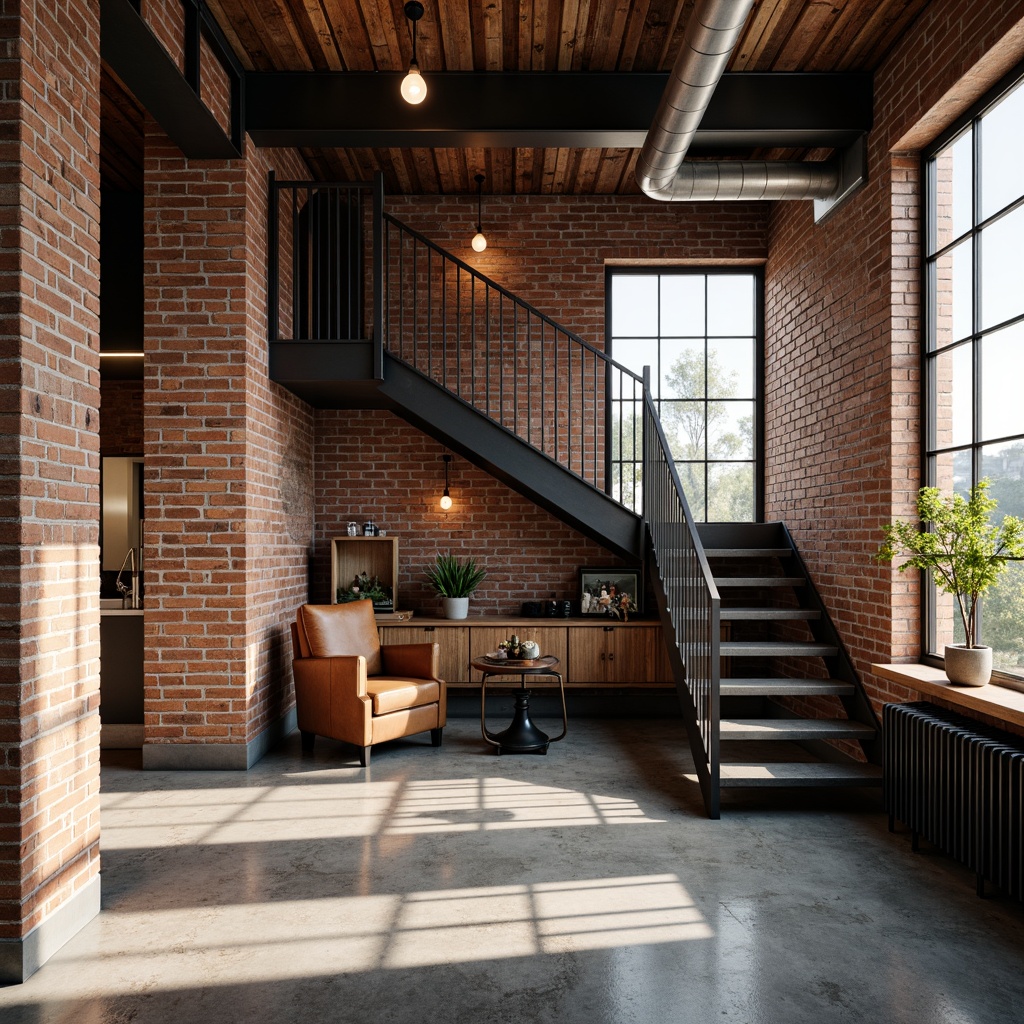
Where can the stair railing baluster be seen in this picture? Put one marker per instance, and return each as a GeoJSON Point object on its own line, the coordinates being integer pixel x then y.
{"type": "Point", "coordinates": [487, 349]}
{"type": "Point", "coordinates": [515, 368]}
{"type": "Point", "coordinates": [444, 323]}
{"type": "Point", "coordinates": [529, 378]}
{"type": "Point", "coordinates": [543, 388]}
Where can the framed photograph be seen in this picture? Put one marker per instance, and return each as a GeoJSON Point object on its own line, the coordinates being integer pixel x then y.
{"type": "Point", "coordinates": [613, 593]}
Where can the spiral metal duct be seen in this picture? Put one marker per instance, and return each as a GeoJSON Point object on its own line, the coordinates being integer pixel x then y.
{"type": "Point", "coordinates": [711, 33]}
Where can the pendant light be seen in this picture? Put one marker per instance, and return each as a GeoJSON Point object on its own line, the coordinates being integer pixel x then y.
{"type": "Point", "coordinates": [479, 242]}
{"type": "Point", "coordinates": [446, 498]}
{"type": "Point", "coordinates": [414, 88]}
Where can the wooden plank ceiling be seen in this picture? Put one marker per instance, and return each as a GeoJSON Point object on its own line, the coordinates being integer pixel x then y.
{"type": "Point", "coordinates": [536, 35]}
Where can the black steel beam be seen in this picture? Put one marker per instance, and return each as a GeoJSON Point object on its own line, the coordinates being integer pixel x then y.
{"type": "Point", "coordinates": [584, 109]}
{"type": "Point", "coordinates": [137, 57]}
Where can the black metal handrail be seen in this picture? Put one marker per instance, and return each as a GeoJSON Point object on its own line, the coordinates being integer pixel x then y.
{"type": "Point", "coordinates": [692, 607]}
{"type": "Point", "coordinates": [487, 346]}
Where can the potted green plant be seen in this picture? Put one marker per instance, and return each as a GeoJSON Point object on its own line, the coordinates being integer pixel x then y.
{"type": "Point", "coordinates": [965, 553]}
{"type": "Point", "coordinates": [455, 581]}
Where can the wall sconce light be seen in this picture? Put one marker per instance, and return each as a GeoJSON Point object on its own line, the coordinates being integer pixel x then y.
{"type": "Point", "coordinates": [479, 242]}
{"type": "Point", "coordinates": [414, 88]}
{"type": "Point", "coordinates": [446, 498]}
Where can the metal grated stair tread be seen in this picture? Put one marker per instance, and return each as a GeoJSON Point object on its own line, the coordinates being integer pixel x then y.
{"type": "Point", "coordinates": [798, 773]}
{"type": "Point", "coordinates": [768, 614]}
{"type": "Point", "coordinates": [794, 729]}
{"type": "Point", "coordinates": [759, 581]}
{"type": "Point", "coordinates": [764, 687]}
{"type": "Point", "coordinates": [748, 552]}
{"type": "Point", "coordinates": [777, 649]}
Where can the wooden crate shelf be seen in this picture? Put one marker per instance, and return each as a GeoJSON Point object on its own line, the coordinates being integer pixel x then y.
{"type": "Point", "coordinates": [375, 556]}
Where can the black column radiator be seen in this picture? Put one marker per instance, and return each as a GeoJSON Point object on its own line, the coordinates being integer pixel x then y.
{"type": "Point", "coordinates": [960, 784]}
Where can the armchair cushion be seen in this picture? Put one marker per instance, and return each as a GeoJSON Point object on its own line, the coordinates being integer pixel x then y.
{"type": "Point", "coordinates": [399, 694]}
{"type": "Point", "coordinates": [326, 631]}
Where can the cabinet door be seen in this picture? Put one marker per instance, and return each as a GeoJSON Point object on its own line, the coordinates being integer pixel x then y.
{"type": "Point", "coordinates": [588, 653]}
{"type": "Point", "coordinates": [454, 641]}
{"type": "Point", "coordinates": [633, 655]}
{"type": "Point", "coordinates": [550, 639]}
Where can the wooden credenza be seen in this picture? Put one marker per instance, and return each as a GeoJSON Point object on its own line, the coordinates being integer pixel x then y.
{"type": "Point", "coordinates": [592, 652]}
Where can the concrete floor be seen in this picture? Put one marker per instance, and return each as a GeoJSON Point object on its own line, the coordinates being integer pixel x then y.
{"type": "Point", "coordinates": [455, 885]}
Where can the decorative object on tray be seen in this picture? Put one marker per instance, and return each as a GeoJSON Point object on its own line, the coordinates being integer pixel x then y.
{"type": "Point", "coordinates": [455, 581]}
{"type": "Point", "coordinates": [613, 593]}
{"type": "Point", "coordinates": [521, 650]}
{"type": "Point", "coordinates": [965, 553]}
{"type": "Point", "coordinates": [368, 588]}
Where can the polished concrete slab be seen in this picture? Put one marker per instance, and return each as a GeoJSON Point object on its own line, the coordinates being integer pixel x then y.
{"type": "Point", "coordinates": [455, 885]}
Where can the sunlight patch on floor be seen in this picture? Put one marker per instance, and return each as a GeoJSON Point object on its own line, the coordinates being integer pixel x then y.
{"type": "Point", "coordinates": [491, 804]}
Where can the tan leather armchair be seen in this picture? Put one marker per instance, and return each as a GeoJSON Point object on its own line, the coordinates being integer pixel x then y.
{"type": "Point", "coordinates": [350, 688]}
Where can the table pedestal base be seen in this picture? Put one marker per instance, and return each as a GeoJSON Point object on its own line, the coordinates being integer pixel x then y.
{"type": "Point", "coordinates": [522, 736]}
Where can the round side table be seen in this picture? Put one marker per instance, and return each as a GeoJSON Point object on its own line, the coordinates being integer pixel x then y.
{"type": "Point", "coordinates": [521, 736]}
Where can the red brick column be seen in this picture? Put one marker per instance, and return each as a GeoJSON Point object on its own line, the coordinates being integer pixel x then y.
{"type": "Point", "coordinates": [226, 453]}
{"type": "Point", "coordinates": [49, 478]}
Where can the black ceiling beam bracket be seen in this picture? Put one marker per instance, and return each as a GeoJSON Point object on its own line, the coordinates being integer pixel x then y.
{"type": "Point", "coordinates": [526, 109]}
{"type": "Point", "coordinates": [133, 52]}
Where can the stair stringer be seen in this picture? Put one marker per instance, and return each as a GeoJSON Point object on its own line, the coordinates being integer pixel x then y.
{"type": "Point", "coordinates": [481, 440]}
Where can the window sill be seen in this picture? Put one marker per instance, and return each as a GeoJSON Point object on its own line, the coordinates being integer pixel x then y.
{"type": "Point", "coordinates": [999, 702]}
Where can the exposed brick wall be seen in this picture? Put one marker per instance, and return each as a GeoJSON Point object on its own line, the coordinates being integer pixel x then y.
{"type": "Point", "coordinates": [843, 334]}
{"type": "Point", "coordinates": [228, 458]}
{"type": "Point", "coordinates": [195, 420]}
{"type": "Point", "coordinates": [166, 19]}
{"type": "Point", "coordinates": [279, 476]}
{"type": "Point", "coordinates": [121, 417]}
{"type": "Point", "coordinates": [49, 458]}
{"type": "Point", "coordinates": [552, 250]}
{"type": "Point", "coordinates": [373, 465]}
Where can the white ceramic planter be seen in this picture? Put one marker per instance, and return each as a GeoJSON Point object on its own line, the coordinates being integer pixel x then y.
{"type": "Point", "coordinates": [455, 607]}
{"type": "Point", "coordinates": [968, 666]}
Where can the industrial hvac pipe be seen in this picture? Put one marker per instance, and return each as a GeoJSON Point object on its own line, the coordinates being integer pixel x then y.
{"type": "Point", "coordinates": [713, 30]}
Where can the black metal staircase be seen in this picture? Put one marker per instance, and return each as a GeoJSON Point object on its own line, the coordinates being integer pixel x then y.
{"type": "Point", "coordinates": [486, 374]}
{"type": "Point", "coordinates": [789, 678]}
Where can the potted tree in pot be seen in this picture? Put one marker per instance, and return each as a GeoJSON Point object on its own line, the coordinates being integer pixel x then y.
{"type": "Point", "coordinates": [965, 553]}
{"type": "Point", "coordinates": [455, 581]}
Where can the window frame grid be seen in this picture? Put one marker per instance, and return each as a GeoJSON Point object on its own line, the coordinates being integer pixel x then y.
{"type": "Point", "coordinates": [613, 466]}
{"type": "Point", "coordinates": [930, 351]}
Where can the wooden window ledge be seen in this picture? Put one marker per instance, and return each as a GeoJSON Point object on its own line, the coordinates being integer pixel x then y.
{"type": "Point", "coordinates": [999, 702]}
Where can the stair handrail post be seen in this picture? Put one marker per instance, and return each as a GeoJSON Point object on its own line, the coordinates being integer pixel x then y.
{"type": "Point", "coordinates": [273, 280]}
{"type": "Point", "coordinates": [378, 275]}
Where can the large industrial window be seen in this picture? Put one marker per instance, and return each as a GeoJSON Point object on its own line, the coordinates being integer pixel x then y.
{"type": "Point", "coordinates": [701, 334]}
{"type": "Point", "coordinates": [974, 350]}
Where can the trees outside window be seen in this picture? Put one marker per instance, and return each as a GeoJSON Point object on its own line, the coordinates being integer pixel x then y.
{"type": "Point", "coordinates": [700, 332]}
{"type": "Point", "coordinates": [974, 341]}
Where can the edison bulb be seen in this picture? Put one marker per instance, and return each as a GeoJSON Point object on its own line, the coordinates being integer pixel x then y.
{"type": "Point", "coordinates": [414, 87]}
{"type": "Point", "coordinates": [479, 242]}
{"type": "Point", "coordinates": [446, 502]}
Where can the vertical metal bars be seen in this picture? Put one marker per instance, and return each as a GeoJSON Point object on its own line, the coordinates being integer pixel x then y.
{"type": "Point", "coordinates": [692, 601]}
{"type": "Point", "coordinates": [326, 265]}
{"type": "Point", "coordinates": [539, 381]}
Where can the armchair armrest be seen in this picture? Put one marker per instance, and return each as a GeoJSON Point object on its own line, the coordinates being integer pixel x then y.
{"type": "Point", "coordinates": [418, 661]}
{"type": "Point", "coordinates": [331, 698]}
